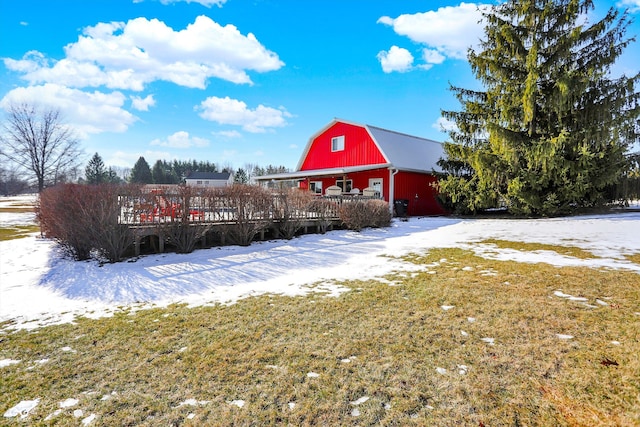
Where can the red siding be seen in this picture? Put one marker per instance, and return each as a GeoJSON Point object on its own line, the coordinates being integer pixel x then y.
{"type": "Point", "coordinates": [359, 149]}
{"type": "Point", "coordinates": [408, 185]}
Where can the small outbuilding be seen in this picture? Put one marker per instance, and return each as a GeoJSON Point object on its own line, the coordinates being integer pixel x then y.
{"type": "Point", "coordinates": [352, 159]}
{"type": "Point", "coordinates": [209, 179]}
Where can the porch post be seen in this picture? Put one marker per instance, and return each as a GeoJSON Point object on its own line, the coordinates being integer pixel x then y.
{"type": "Point", "coordinates": [392, 174]}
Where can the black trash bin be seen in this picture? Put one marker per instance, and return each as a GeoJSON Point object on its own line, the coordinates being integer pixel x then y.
{"type": "Point", "coordinates": [401, 207]}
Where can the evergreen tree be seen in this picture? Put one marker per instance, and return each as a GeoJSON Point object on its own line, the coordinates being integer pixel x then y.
{"type": "Point", "coordinates": [241, 177]}
{"type": "Point", "coordinates": [112, 176]}
{"type": "Point", "coordinates": [159, 173]}
{"type": "Point", "coordinates": [95, 171]}
{"type": "Point", "coordinates": [141, 173]}
{"type": "Point", "coordinates": [550, 131]}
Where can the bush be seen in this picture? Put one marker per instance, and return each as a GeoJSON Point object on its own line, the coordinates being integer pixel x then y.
{"type": "Point", "coordinates": [323, 211]}
{"type": "Point", "coordinates": [289, 211]}
{"type": "Point", "coordinates": [185, 231]}
{"type": "Point", "coordinates": [83, 218]}
{"type": "Point", "coordinates": [65, 217]}
{"type": "Point", "coordinates": [250, 210]}
{"type": "Point", "coordinates": [359, 214]}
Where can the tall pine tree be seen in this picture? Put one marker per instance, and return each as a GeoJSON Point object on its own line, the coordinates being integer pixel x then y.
{"type": "Point", "coordinates": [549, 132]}
{"type": "Point", "coordinates": [141, 172]}
{"type": "Point", "coordinates": [95, 171]}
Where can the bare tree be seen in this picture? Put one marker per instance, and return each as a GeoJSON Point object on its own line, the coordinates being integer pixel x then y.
{"type": "Point", "coordinates": [36, 139]}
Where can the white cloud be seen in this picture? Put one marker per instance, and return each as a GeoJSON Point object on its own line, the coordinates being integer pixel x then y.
{"type": "Point", "coordinates": [181, 139]}
{"type": "Point", "coordinates": [396, 59]}
{"type": "Point", "coordinates": [206, 3]}
{"type": "Point", "coordinates": [229, 111]}
{"type": "Point", "coordinates": [432, 56]}
{"type": "Point", "coordinates": [633, 5]}
{"type": "Point", "coordinates": [232, 134]}
{"type": "Point", "coordinates": [449, 31]}
{"type": "Point", "coordinates": [444, 125]}
{"type": "Point", "coordinates": [87, 112]}
{"type": "Point", "coordinates": [142, 104]}
{"type": "Point", "coordinates": [130, 55]}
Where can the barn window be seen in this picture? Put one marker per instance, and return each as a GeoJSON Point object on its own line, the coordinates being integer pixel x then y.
{"type": "Point", "coordinates": [337, 143]}
{"type": "Point", "coordinates": [315, 187]}
{"type": "Point", "coordinates": [341, 183]}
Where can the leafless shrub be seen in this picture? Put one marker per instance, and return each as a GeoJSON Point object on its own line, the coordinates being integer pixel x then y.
{"type": "Point", "coordinates": [359, 214]}
{"type": "Point", "coordinates": [290, 206]}
{"type": "Point", "coordinates": [248, 208]}
{"type": "Point", "coordinates": [110, 238]}
{"type": "Point", "coordinates": [380, 214]}
{"type": "Point", "coordinates": [83, 218]}
{"type": "Point", "coordinates": [184, 229]}
{"type": "Point", "coordinates": [323, 211]}
{"type": "Point", "coordinates": [64, 215]}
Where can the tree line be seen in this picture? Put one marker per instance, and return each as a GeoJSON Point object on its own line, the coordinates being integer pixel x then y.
{"type": "Point", "coordinates": [169, 172]}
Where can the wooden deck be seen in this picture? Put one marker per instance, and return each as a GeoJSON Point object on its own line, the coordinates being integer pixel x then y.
{"type": "Point", "coordinates": [151, 218]}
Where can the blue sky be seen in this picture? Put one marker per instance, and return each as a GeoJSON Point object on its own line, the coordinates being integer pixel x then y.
{"type": "Point", "coordinates": [240, 82]}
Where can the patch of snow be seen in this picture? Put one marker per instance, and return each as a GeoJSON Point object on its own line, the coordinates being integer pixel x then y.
{"type": "Point", "coordinates": [463, 369]}
{"type": "Point", "coordinates": [447, 307]}
{"type": "Point", "coordinates": [360, 400]}
{"type": "Point", "coordinates": [191, 416]}
{"type": "Point", "coordinates": [78, 413]}
{"type": "Point", "coordinates": [464, 333]}
{"type": "Point", "coordinates": [88, 420]}
{"type": "Point", "coordinates": [59, 289]}
{"type": "Point", "coordinates": [441, 371]}
{"type": "Point", "coordinates": [355, 412]}
{"type": "Point", "coordinates": [23, 408]}
{"type": "Point", "coordinates": [312, 375]}
{"type": "Point", "coordinates": [238, 403]}
{"type": "Point", "coordinates": [490, 341]}
{"type": "Point", "coordinates": [471, 319]}
{"type": "Point", "coordinates": [8, 362]}
{"type": "Point", "coordinates": [564, 336]}
{"type": "Point", "coordinates": [68, 403]}
{"type": "Point", "coordinates": [291, 405]}
{"type": "Point", "coordinates": [615, 342]}
{"type": "Point", "coordinates": [193, 402]}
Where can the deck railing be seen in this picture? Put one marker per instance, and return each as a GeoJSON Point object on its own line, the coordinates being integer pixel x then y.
{"type": "Point", "coordinates": [170, 208]}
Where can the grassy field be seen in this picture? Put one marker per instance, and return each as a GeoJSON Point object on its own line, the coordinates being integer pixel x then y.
{"type": "Point", "coordinates": [467, 341]}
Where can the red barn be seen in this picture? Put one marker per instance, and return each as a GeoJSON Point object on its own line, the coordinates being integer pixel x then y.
{"type": "Point", "coordinates": [355, 157]}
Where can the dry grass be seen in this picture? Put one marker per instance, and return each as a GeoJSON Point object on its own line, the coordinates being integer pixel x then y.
{"type": "Point", "coordinates": [17, 231]}
{"type": "Point", "coordinates": [17, 209]}
{"type": "Point", "coordinates": [530, 247]}
{"type": "Point", "coordinates": [380, 341]}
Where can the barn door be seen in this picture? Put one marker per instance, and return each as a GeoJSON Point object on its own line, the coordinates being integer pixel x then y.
{"type": "Point", "coordinates": [376, 184]}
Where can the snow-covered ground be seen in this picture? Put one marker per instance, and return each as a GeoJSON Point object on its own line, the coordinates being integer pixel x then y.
{"type": "Point", "coordinates": [39, 287]}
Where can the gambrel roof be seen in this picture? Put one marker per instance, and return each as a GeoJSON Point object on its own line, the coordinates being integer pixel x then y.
{"type": "Point", "coordinates": [401, 151]}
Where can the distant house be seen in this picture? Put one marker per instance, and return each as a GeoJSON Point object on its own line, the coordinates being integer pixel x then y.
{"type": "Point", "coordinates": [209, 179]}
{"type": "Point", "coordinates": [352, 159]}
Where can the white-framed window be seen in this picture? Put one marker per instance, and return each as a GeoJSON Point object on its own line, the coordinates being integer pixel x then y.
{"type": "Point", "coordinates": [337, 143]}
{"type": "Point", "coordinates": [315, 187]}
{"type": "Point", "coordinates": [341, 183]}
